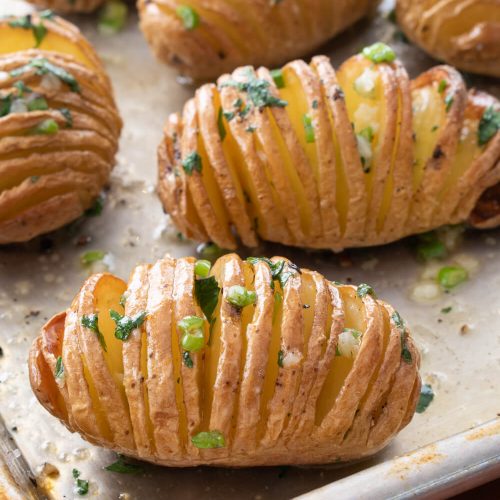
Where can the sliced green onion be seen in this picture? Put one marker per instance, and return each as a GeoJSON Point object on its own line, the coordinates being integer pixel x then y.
{"type": "Point", "coordinates": [46, 127]}
{"type": "Point", "coordinates": [92, 256]}
{"type": "Point", "coordinates": [451, 276]}
{"type": "Point", "coordinates": [190, 323]}
{"type": "Point", "coordinates": [190, 18]}
{"type": "Point", "coordinates": [367, 133]}
{"type": "Point", "coordinates": [112, 17]}
{"type": "Point", "coordinates": [277, 75]}
{"type": "Point", "coordinates": [442, 86]}
{"type": "Point", "coordinates": [430, 247]}
{"type": "Point", "coordinates": [193, 341]}
{"type": "Point", "coordinates": [210, 439]}
{"type": "Point", "coordinates": [202, 268]}
{"type": "Point", "coordinates": [308, 128]}
{"type": "Point", "coordinates": [37, 103]}
{"type": "Point", "coordinates": [239, 296]}
{"type": "Point", "coordinates": [379, 52]}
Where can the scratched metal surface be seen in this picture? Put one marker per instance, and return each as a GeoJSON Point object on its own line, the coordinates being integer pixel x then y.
{"type": "Point", "coordinates": [40, 279]}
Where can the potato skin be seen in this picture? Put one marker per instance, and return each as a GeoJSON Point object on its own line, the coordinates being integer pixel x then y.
{"type": "Point", "coordinates": [317, 193]}
{"type": "Point", "coordinates": [66, 6]}
{"type": "Point", "coordinates": [49, 180]}
{"type": "Point", "coordinates": [231, 34]}
{"type": "Point", "coordinates": [462, 33]}
{"type": "Point", "coordinates": [263, 401]}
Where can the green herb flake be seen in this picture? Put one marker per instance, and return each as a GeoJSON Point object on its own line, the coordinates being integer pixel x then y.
{"type": "Point", "coordinates": [425, 399]}
{"type": "Point", "coordinates": [67, 116]}
{"type": "Point", "coordinates": [192, 163]}
{"type": "Point", "coordinates": [400, 324]}
{"type": "Point", "coordinates": [5, 104]}
{"type": "Point", "coordinates": [207, 292]}
{"type": "Point", "coordinates": [228, 115]}
{"type": "Point", "coordinates": [315, 104]}
{"type": "Point", "coordinates": [379, 52]}
{"type": "Point", "coordinates": [308, 128]}
{"type": "Point", "coordinates": [488, 125]}
{"type": "Point", "coordinates": [189, 17]}
{"type": "Point", "coordinates": [92, 256]}
{"type": "Point", "coordinates": [364, 289]}
{"type": "Point", "coordinates": [34, 179]}
{"type": "Point", "coordinates": [434, 128]}
{"type": "Point", "coordinates": [446, 310]}
{"type": "Point", "coordinates": [220, 125]}
{"type": "Point", "coordinates": [277, 75]}
{"type": "Point", "coordinates": [47, 14]}
{"type": "Point", "coordinates": [251, 129]}
{"type": "Point", "coordinates": [59, 371]}
{"type": "Point", "coordinates": [112, 17]}
{"type": "Point", "coordinates": [36, 102]}
{"type": "Point", "coordinates": [208, 440]}
{"type": "Point", "coordinates": [97, 208]}
{"type": "Point", "coordinates": [448, 101]}
{"type": "Point", "coordinates": [280, 358]}
{"type": "Point", "coordinates": [429, 247]}
{"type": "Point", "coordinates": [81, 485]}
{"type": "Point", "coordinates": [125, 325]}
{"type": "Point", "coordinates": [123, 467]}
{"type": "Point", "coordinates": [258, 91]}
{"type": "Point", "coordinates": [442, 86]}
{"type": "Point", "coordinates": [46, 127]}
{"type": "Point", "coordinates": [26, 22]}
{"type": "Point", "coordinates": [186, 359]}
{"type": "Point", "coordinates": [91, 321]}
{"type": "Point", "coordinates": [43, 67]}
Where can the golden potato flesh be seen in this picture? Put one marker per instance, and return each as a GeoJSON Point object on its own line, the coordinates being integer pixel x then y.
{"type": "Point", "coordinates": [463, 33]}
{"type": "Point", "coordinates": [59, 126]}
{"type": "Point", "coordinates": [67, 6]}
{"type": "Point", "coordinates": [205, 38]}
{"type": "Point", "coordinates": [256, 363]}
{"type": "Point", "coordinates": [313, 157]}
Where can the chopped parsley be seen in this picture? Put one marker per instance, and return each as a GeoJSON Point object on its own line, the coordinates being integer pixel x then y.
{"type": "Point", "coordinates": [448, 102]}
{"type": "Point", "coordinates": [280, 270]}
{"type": "Point", "coordinates": [125, 325]}
{"type": "Point", "coordinates": [43, 67]}
{"type": "Point", "coordinates": [488, 125]}
{"type": "Point", "coordinates": [26, 22]}
{"type": "Point", "coordinates": [81, 485]}
{"type": "Point", "coordinates": [59, 371]}
{"type": "Point", "coordinates": [191, 163]}
{"type": "Point", "coordinates": [97, 208]}
{"type": "Point", "coordinates": [399, 322]}
{"type": "Point", "coordinates": [258, 91]}
{"type": "Point", "coordinates": [91, 321]}
{"type": "Point", "coordinates": [220, 125]}
{"type": "Point", "coordinates": [207, 292]}
{"type": "Point", "coordinates": [123, 467]}
{"type": "Point", "coordinates": [446, 310]}
{"type": "Point", "coordinates": [442, 86]}
{"type": "Point", "coordinates": [425, 399]}
{"type": "Point", "coordinates": [186, 359]}
{"type": "Point", "coordinates": [364, 289]}
{"type": "Point", "coordinates": [280, 358]}
{"type": "Point", "coordinates": [67, 116]}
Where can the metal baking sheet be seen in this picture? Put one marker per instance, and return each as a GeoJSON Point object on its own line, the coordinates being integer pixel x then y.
{"type": "Point", "coordinates": [461, 349]}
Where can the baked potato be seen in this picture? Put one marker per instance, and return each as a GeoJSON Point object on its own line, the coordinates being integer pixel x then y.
{"type": "Point", "coordinates": [59, 125]}
{"type": "Point", "coordinates": [248, 363]}
{"type": "Point", "coordinates": [464, 33]}
{"type": "Point", "coordinates": [68, 6]}
{"type": "Point", "coordinates": [204, 38]}
{"type": "Point", "coordinates": [310, 157]}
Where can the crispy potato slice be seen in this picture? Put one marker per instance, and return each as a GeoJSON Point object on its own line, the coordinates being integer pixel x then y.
{"type": "Point", "coordinates": [310, 372]}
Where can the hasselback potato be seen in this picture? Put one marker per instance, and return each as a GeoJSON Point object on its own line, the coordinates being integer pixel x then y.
{"type": "Point", "coordinates": [249, 363]}
{"type": "Point", "coordinates": [464, 33]}
{"type": "Point", "coordinates": [59, 126]}
{"type": "Point", "coordinates": [205, 38]}
{"type": "Point", "coordinates": [68, 6]}
{"type": "Point", "coordinates": [310, 157]}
